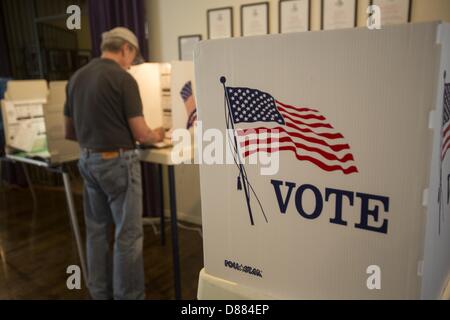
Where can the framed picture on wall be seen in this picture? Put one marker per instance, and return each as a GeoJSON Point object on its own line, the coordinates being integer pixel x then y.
{"type": "Point", "coordinates": [255, 19]}
{"type": "Point", "coordinates": [339, 14]}
{"type": "Point", "coordinates": [394, 11]}
{"type": "Point", "coordinates": [186, 46]}
{"type": "Point", "coordinates": [220, 23]}
{"type": "Point", "coordinates": [294, 15]}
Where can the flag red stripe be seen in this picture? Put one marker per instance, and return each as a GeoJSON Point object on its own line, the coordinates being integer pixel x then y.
{"type": "Point", "coordinates": [446, 142]}
{"type": "Point", "coordinates": [445, 152]}
{"type": "Point", "coordinates": [318, 163]}
{"type": "Point", "coordinates": [306, 116]}
{"type": "Point", "coordinates": [445, 148]}
{"type": "Point", "coordinates": [296, 108]}
{"type": "Point", "coordinates": [329, 156]}
{"type": "Point", "coordinates": [335, 148]}
{"type": "Point", "coordinates": [446, 130]}
{"type": "Point", "coordinates": [331, 136]}
{"type": "Point", "coordinates": [443, 156]}
{"type": "Point", "coordinates": [312, 125]}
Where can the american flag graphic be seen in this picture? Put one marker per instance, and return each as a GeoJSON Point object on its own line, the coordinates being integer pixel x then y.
{"type": "Point", "coordinates": [303, 131]}
{"type": "Point", "coordinates": [446, 122]}
{"type": "Point", "coordinates": [189, 101]}
{"type": "Point", "coordinates": [186, 91]}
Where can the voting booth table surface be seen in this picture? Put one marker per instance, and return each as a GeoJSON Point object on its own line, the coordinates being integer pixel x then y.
{"type": "Point", "coordinates": [34, 134]}
{"type": "Point", "coordinates": [359, 206]}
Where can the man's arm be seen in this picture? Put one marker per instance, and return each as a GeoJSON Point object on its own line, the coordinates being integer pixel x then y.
{"type": "Point", "coordinates": [142, 133]}
{"type": "Point", "coordinates": [70, 129]}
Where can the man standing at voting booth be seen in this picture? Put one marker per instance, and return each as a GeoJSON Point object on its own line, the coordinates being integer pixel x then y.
{"type": "Point", "coordinates": [104, 114]}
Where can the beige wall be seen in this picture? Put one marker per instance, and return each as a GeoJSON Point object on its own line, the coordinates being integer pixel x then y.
{"type": "Point", "coordinates": [169, 19]}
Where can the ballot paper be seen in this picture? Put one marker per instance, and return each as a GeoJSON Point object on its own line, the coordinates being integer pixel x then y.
{"type": "Point", "coordinates": [36, 110]}
{"type": "Point", "coordinates": [26, 126]}
{"type": "Point", "coordinates": [11, 113]}
{"type": "Point", "coordinates": [12, 130]}
{"type": "Point", "coordinates": [25, 136]}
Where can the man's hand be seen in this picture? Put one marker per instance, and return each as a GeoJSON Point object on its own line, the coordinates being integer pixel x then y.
{"type": "Point", "coordinates": [159, 134]}
{"type": "Point", "coordinates": [142, 133]}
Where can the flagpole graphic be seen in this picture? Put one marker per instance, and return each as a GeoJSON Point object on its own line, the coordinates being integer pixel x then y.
{"type": "Point", "coordinates": [243, 182]}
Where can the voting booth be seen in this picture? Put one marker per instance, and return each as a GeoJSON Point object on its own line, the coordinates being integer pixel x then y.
{"type": "Point", "coordinates": [153, 80]}
{"type": "Point", "coordinates": [358, 207]}
{"type": "Point", "coordinates": [167, 93]}
{"type": "Point", "coordinates": [184, 108]}
{"type": "Point", "coordinates": [33, 120]}
{"type": "Point", "coordinates": [33, 116]}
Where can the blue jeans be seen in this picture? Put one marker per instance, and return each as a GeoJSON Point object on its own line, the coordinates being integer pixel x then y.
{"type": "Point", "coordinates": [113, 197]}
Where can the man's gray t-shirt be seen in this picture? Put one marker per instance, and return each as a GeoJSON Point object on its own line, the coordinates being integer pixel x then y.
{"type": "Point", "coordinates": [101, 97]}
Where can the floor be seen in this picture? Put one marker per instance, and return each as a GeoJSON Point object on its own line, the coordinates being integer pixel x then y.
{"type": "Point", "coordinates": [37, 246]}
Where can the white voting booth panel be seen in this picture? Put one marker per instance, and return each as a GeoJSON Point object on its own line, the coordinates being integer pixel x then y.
{"type": "Point", "coordinates": [23, 114]}
{"type": "Point", "coordinates": [182, 89]}
{"type": "Point", "coordinates": [359, 207]}
{"type": "Point", "coordinates": [61, 150]}
{"type": "Point", "coordinates": [34, 120]}
{"type": "Point", "coordinates": [154, 86]}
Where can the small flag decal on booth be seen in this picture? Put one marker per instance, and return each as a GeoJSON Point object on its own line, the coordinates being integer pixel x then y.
{"type": "Point", "coordinates": [189, 102]}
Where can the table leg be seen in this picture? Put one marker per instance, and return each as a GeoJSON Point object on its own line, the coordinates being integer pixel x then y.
{"type": "Point", "coordinates": [161, 193]}
{"type": "Point", "coordinates": [30, 185]}
{"type": "Point", "coordinates": [74, 222]}
{"type": "Point", "coordinates": [174, 232]}
{"type": "Point", "coordinates": [1, 175]}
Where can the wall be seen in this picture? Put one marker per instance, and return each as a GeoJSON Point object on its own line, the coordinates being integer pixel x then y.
{"type": "Point", "coordinates": [169, 19]}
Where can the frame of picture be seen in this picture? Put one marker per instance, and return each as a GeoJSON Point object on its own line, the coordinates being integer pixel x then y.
{"type": "Point", "coordinates": [409, 14]}
{"type": "Point", "coordinates": [280, 15]}
{"type": "Point", "coordinates": [322, 19]}
{"type": "Point", "coordinates": [229, 29]}
{"type": "Point", "coordinates": [185, 45]}
{"type": "Point", "coordinates": [265, 22]}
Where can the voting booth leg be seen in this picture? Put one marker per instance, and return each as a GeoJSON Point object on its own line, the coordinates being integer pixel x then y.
{"type": "Point", "coordinates": [74, 222]}
{"type": "Point", "coordinates": [161, 194]}
{"type": "Point", "coordinates": [2, 184]}
{"type": "Point", "coordinates": [30, 185]}
{"type": "Point", "coordinates": [174, 229]}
